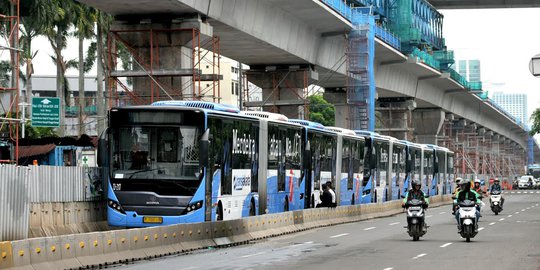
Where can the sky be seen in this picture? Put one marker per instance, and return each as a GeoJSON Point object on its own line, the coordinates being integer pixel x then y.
{"type": "Point", "coordinates": [504, 40]}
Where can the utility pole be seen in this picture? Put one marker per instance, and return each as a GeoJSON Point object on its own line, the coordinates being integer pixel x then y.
{"type": "Point", "coordinates": [240, 86]}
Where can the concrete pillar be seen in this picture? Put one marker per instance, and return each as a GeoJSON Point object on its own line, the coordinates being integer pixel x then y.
{"type": "Point", "coordinates": [166, 53]}
{"type": "Point", "coordinates": [427, 124]}
{"type": "Point", "coordinates": [393, 117]}
{"type": "Point", "coordinates": [283, 88]}
{"type": "Point", "coordinates": [338, 97]}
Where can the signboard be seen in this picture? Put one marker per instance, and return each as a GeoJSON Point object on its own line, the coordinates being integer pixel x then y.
{"type": "Point", "coordinates": [45, 112]}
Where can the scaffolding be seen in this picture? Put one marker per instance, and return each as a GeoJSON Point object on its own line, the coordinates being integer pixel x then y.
{"type": "Point", "coordinates": [360, 56]}
{"type": "Point", "coordinates": [284, 90]}
{"type": "Point", "coordinates": [417, 24]}
{"type": "Point", "coordinates": [9, 24]}
{"type": "Point", "coordinates": [152, 73]}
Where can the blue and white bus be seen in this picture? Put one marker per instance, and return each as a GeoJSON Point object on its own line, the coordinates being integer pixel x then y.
{"type": "Point", "coordinates": [189, 161]}
{"type": "Point", "coordinates": [351, 149]}
{"type": "Point", "coordinates": [442, 172]}
{"type": "Point", "coordinates": [281, 178]}
{"type": "Point", "coordinates": [322, 166]}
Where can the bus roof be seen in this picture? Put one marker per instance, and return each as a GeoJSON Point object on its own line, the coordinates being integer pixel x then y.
{"type": "Point", "coordinates": [266, 115]}
{"type": "Point", "coordinates": [366, 133]}
{"type": "Point", "coordinates": [198, 104]}
{"type": "Point", "coordinates": [307, 123]}
{"type": "Point", "coordinates": [342, 130]}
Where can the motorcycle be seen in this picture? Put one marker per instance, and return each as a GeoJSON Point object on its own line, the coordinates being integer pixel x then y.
{"type": "Point", "coordinates": [416, 226]}
{"type": "Point", "coordinates": [495, 202]}
{"type": "Point", "coordinates": [467, 219]}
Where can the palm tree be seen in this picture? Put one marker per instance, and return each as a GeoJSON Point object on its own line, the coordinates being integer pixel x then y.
{"type": "Point", "coordinates": [103, 24]}
{"type": "Point", "coordinates": [57, 24]}
{"type": "Point", "coordinates": [85, 18]}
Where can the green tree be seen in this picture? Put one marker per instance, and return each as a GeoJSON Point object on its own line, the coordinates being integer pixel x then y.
{"type": "Point", "coordinates": [32, 24]}
{"type": "Point", "coordinates": [85, 18]}
{"type": "Point", "coordinates": [321, 110]}
{"type": "Point", "coordinates": [536, 122]}
{"type": "Point", "coordinates": [104, 22]}
{"type": "Point", "coordinates": [39, 132]}
{"type": "Point", "coordinates": [56, 29]}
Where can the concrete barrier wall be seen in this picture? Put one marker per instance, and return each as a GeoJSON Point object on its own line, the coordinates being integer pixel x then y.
{"type": "Point", "coordinates": [110, 247]}
{"type": "Point", "coordinates": [52, 219]}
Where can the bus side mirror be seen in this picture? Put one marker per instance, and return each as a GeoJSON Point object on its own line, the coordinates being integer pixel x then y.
{"type": "Point", "coordinates": [103, 145]}
{"type": "Point", "coordinates": [204, 147]}
{"type": "Point", "coordinates": [373, 160]}
{"type": "Point", "coordinates": [407, 165]}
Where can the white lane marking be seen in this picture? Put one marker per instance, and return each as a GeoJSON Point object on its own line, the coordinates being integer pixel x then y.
{"type": "Point", "coordinates": [389, 268]}
{"type": "Point", "coordinates": [509, 216]}
{"type": "Point", "coordinates": [445, 245]}
{"type": "Point", "coordinates": [370, 228]}
{"type": "Point", "coordinates": [516, 213]}
{"type": "Point", "coordinates": [251, 255]}
{"type": "Point", "coordinates": [536, 204]}
{"type": "Point", "coordinates": [528, 208]}
{"type": "Point", "coordinates": [392, 224]}
{"type": "Point", "coordinates": [501, 219]}
{"type": "Point", "coordinates": [442, 213]}
{"type": "Point", "coordinates": [519, 192]}
{"type": "Point", "coordinates": [419, 256]}
{"type": "Point", "coordinates": [339, 235]}
{"type": "Point", "coordinates": [537, 192]}
{"type": "Point", "coordinates": [190, 268]}
{"type": "Point", "coordinates": [522, 210]}
{"type": "Point", "coordinates": [306, 243]}
{"type": "Point", "coordinates": [481, 228]}
{"type": "Point", "coordinates": [492, 223]}
{"type": "Point", "coordinates": [429, 216]}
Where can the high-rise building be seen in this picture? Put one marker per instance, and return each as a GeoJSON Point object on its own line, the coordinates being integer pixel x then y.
{"type": "Point", "coordinates": [514, 103]}
{"type": "Point", "coordinates": [470, 69]}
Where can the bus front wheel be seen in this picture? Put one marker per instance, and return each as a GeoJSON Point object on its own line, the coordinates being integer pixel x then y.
{"type": "Point", "coordinates": [219, 212]}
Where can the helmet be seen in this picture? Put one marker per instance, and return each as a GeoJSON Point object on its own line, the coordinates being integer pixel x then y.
{"type": "Point", "coordinates": [496, 180]}
{"type": "Point", "coordinates": [477, 181]}
{"type": "Point", "coordinates": [416, 183]}
{"type": "Point", "coordinates": [458, 180]}
{"type": "Point", "coordinates": [465, 184]}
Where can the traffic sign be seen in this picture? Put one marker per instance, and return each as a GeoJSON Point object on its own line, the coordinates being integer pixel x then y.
{"type": "Point", "coordinates": [45, 112]}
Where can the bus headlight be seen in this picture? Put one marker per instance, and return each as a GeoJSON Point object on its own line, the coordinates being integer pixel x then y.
{"type": "Point", "coordinates": [116, 206]}
{"type": "Point", "coordinates": [194, 206]}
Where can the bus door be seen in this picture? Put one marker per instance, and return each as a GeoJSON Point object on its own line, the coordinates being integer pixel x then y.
{"type": "Point", "coordinates": [430, 181]}
{"type": "Point", "coordinates": [398, 170]}
{"type": "Point", "coordinates": [381, 171]}
{"type": "Point", "coordinates": [370, 165]}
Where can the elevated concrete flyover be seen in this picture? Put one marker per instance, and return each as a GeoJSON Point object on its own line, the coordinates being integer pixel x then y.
{"type": "Point", "coordinates": [306, 35]}
{"type": "Point", "coordinates": [433, 90]}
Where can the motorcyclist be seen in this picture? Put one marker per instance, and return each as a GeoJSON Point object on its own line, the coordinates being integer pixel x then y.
{"type": "Point", "coordinates": [416, 193]}
{"type": "Point", "coordinates": [466, 193]}
{"type": "Point", "coordinates": [456, 190]}
{"type": "Point", "coordinates": [497, 187]}
{"type": "Point", "coordinates": [478, 188]}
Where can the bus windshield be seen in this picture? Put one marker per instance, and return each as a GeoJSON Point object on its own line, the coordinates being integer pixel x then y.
{"type": "Point", "coordinates": [155, 152]}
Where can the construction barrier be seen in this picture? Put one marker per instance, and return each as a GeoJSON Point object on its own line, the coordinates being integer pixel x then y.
{"type": "Point", "coordinates": [98, 249]}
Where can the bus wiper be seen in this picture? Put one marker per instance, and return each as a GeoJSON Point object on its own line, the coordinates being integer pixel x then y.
{"type": "Point", "coordinates": [140, 171]}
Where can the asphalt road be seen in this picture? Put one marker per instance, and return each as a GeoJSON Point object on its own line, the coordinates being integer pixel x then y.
{"type": "Point", "coordinates": [510, 240]}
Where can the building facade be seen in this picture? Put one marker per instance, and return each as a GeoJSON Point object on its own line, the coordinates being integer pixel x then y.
{"type": "Point", "coordinates": [513, 103]}
{"type": "Point", "coordinates": [470, 69]}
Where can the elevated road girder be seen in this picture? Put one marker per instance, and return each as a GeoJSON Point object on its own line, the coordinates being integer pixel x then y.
{"type": "Point", "coordinates": [307, 32]}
